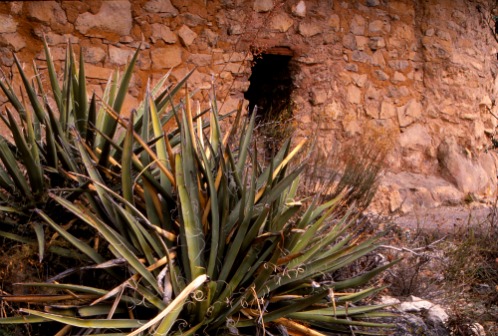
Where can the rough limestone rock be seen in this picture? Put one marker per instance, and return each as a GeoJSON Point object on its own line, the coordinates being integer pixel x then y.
{"type": "Point", "coordinates": [376, 26]}
{"type": "Point", "coordinates": [414, 324]}
{"type": "Point", "coordinates": [410, 112]}
{"type": "Point", "coordinates": [281, 22]}
{"type": "Point", "coordinates": [6, 57]}
{"type": "Point", "coordinates": [387, 110]}
{"type": "Point", "coordinates": [12, 40]}
{"type": "Point", "coordinates": [262, 6]}
{"type": "Point", "coordinates": [468, 175]}
{"type": "Point", "coordinates": [187, 35]}
{"type": "Point", "coordinates": [334, 22]}
{"type": "Point", "coordinates": [349, 42]}
{"type": "Point", "coordinates": [416, 317]}
{"type": "Point", "coordinates": [415, 136]}
{"type": "Point", "coordinates": [411, 325]}
{"type": "Point", "coordinates": [308, 29]}
{"type": "Point", "coordinates": [16, 7]}
{"type": "Point", "coordinates": [96, 72]}
{"type": "Point", "coordinates": [357, 26]}
{"type": "Point", "coordinates": [376, 43]}
{"type": "Point", "coordinates": [166, 58]}
{"type": "Point", "coordinates": [299, 9]}
{"type": "Point", "coordinates": [354, 94]}
{"type": "Point", "coordinates": [407, 192]}
{"type": "Point", "coordinates": [55, 39]}
{"type": "Point", "coordinates": [488, 162]}
{"type": "Point", "coordinates": [163, 7]}
{"type": "Point", "coordinates": [210, 36]}
{"type": "Point", "coordinates": [334, 110]}
{"type": "Point", "coordinates": [160, 31]}
{"type": "Point", "coordinates": [9, 25]}
{"type": "Point", "coordinates": [193, 20]}
{"type": "Point", "coordinates": [437, 315]}
{"type": "Point", "coordinates": [381, 75]}
{"type": "Point", "coordinates": [361, 42]}
{"type": "Point", "coordinates": [200, 59]}
{"type": "Point", "coordinates": [361, 57]}
{"type": "Point", "coordinates": [318, 96]}
{"type": "Point", "coordinates": [94, 54]}
{"type": "Point", "coordinates": [114, 17]}
{"type": "Point", "coordinates": [235, 29]}
{"type": "Point", "coordinates": [408, 324]}
{"type": "Point", "coordinates": [398, 77]}
{"type": "Point", "coordinates": [47, 11]}
{"type": "Point", "coordinates": [378, 59]}
{"type": "Point", "coordinates": [58, 54]}
{"type": "Point", "coordinates": [120, 56]}
{"type": "Point", "coordinates": [415, 304]}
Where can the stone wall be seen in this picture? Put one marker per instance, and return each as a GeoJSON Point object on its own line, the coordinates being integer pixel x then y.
{"type": "Point", "coordinates": [422, 72]}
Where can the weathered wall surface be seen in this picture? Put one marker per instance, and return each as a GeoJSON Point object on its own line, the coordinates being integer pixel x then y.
{"type": "Point", "coordinates": [422, 72]}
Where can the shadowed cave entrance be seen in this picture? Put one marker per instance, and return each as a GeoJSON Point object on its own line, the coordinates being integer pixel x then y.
{"type": "Point", "coordinates": [270, 90]}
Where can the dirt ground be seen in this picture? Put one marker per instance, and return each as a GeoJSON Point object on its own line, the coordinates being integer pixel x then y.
{"type": "Point", "coordinates": [446, 218]}
{"type": "Point", "coordinates": [450, 258]}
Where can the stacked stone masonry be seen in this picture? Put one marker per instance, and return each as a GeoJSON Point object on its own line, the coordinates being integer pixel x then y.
{"type": "Point", "coordinates": [422, 72]}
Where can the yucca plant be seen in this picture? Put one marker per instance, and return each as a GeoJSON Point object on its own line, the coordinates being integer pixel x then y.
{"type": "Point", "coordinates": [46, 127]}
{"type": "Point", "coordinates": [187, 233]}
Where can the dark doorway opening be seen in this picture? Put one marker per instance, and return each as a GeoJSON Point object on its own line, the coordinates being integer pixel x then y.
{"type": "Point", "coordinates": [270, 90]}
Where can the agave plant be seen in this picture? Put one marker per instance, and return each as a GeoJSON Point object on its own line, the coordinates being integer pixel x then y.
{"type": "Point", "coordinates": [190, 234]}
